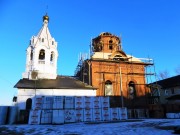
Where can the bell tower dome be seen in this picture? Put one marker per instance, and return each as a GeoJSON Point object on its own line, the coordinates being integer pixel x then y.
{"type": "Point", "coordinates": [41, 55]}
{"type": "Point", "coordinates": [107, 43]}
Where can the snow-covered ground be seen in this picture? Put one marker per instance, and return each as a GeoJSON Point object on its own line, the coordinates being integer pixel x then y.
{"type": "Point", "coordinates": [144, 127]}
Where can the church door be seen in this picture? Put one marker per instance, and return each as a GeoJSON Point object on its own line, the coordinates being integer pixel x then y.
{"type": "Point", "coordinates": [28, 104]}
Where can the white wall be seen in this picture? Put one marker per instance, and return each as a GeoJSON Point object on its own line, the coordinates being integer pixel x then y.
{"type": "Point", "coordinates": [24, 94]}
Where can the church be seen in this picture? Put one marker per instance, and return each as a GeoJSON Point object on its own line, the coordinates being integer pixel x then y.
{"type": "Point", "coordinates": [40, 77]}
{"type": "Point", "coordinates": [109, 72]}
{"type": "Point", "coordinates": [115, 73]}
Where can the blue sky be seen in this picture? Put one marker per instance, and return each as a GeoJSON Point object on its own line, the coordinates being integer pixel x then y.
{"type": "Point", "coordinates": [149, 28]}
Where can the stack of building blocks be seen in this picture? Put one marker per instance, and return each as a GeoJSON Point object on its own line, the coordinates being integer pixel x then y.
{"type": "Point", "coordinates": [70, 109]}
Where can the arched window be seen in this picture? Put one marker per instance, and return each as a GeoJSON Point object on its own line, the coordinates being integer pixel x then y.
{"type": "Point", "coordinates": [42, 54]}
{"type": "Point", "coordinates": [14, 99]}
{"type": "Point", "coordinates": [28, 104]}
{"type": "Point", "coordinates": [108, 88]}
{"type": "Point", "coordinates": [132, 90]}
{"type": "Point", "coordinates": [110, 44]}
{"type": "Point", "coordinates": [100, 47]}
{"type": "Point", "coordinates": [52, 57]}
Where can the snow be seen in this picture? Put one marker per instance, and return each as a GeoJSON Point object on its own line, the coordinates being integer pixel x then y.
{"type": "Point", "coordinates": [129, 127]}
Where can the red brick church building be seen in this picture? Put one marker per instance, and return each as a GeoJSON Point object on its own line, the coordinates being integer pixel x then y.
{"type": "Point", "coordinates": [115, 73]}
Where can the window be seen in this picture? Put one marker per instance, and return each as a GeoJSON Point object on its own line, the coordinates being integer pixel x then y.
{"type": "Point", "coordinates": [31, 55]}
{"type": "Point", "coordinates": [108, 88]}
{"type": "Point", "coordinates": [172, 90]}
{"type": "Point", "coordinates": [14, 99]}
{"type": "Point", "coordinates": [166, 92]}
{"type": "Point", "coordinates": [100, 48]}
{"type": "Point", "coordinates": [42, 39]}
{"type": "Point", "coordinates": [52, 42]}
{"type": "Point", "coordinates": [42, 54]}
{"type": "Point", "coordinates": [28, 104]}
{"type": "Point", "coordinates": [132, 90]}
{"type": "Point", "coordinates": [110, 44]}
{"type": "Point", "coordinates": [52, 56]}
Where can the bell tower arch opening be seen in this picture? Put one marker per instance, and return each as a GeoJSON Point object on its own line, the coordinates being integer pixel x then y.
{"type": "Point", "coordinates": [42, 54]}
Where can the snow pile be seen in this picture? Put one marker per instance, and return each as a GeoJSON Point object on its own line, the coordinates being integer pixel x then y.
{"type": "Point", "coordinates": [144, 127]}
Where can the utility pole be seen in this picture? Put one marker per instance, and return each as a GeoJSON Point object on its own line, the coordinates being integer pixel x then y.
{"type": "Point", "coordinates": [89, 71]}
{"type": "Point", "coordinates": [121, 90]}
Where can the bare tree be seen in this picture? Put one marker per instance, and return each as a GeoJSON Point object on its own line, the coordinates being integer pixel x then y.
{"type": "Point", "coordinates": [163, 75]}
{"type": "Point", "coordinates": [177, 70]}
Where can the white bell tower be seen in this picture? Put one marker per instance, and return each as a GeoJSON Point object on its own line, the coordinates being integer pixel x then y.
{"type": "Point", "coordinates": [42, 54]}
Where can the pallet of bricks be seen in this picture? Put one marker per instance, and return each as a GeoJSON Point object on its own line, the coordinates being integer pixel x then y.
{"type": "Point", "coordinates": [70, 109]}
{"type": "Point", "coordinates": [97, 108]}
{"type": "Point", "coordinates": [47, 110]}
{"type": "Point", "coordinates": [35, 113]}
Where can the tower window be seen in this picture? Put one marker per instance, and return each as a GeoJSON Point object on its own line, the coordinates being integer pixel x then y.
{"type": "Point", "coordinates": [100, 47]}
{"type": "Point", "coordinates": [31, 56]}
{"type": "Point", "coordinates": [42, 39]}
{"type": "Point", "coordinates": [110, 44]}
{"type": "Point", "coordinates": [52, 56]}
{"type": "Point", "coordinates": [110, 41]}
{"type": "Point", "coordinates": [42, 54]}
{"type": "Point", "coordinates": [110, 47]}
{"type": "Point", "coordinates": [52, 42]}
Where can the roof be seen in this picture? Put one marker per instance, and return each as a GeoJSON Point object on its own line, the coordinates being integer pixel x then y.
{"type": "Point", "coordinates": [174, 97]}
{"type": "Point", "coordinates": [169, 82]}
{"type": "Point", "coordinates": [44, 30]}
{"type": "Point", "coordinates": [61, 82]}
{"type": "Point", "coordinates": [106, 33]}
{"type": "Point", "coordinates": [102, 55]}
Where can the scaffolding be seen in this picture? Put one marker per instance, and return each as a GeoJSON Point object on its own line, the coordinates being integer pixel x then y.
{"type": "Point", "coordinates": [149, 74]}
{"type": "Point", "coordinates": [152, 83]}
{"type": "Point", "coordinates": [84, 70]}
{"type": "Point", "coordinates": [151, 79]}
